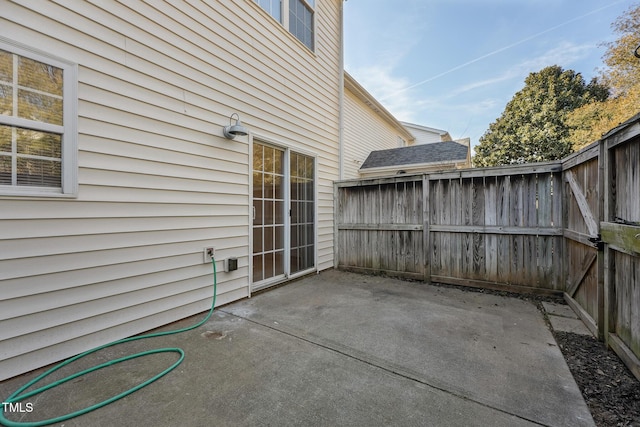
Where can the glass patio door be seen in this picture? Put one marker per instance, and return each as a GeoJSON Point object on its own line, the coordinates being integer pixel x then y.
{"type": "Point", "coordinates": [268, 213]}
{"type": "Point", "coordinates": [302, 253]}
{"type": "Point", "coordinates": [283, 214]}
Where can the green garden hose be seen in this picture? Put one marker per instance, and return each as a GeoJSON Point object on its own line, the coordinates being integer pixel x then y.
{"type": "Point", "coordinates": [18, 397]}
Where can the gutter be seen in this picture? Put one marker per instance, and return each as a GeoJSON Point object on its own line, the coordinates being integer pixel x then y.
{"type": "Point", "coordinates": [341, 98]}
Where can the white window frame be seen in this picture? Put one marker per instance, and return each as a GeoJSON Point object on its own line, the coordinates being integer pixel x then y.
{"type": "Point", "coordinates": [68, 130]}
{"type": "Point", "coordinates": [284, 16]}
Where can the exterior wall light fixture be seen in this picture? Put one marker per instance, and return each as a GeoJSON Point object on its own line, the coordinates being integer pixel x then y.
{"type": "Point", "coordinates": [232, 131]}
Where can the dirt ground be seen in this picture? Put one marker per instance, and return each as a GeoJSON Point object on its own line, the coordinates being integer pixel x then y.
{"type": "Point", "coordinates": [610, 390]}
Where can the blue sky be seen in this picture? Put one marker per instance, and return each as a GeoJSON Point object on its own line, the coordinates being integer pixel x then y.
{"type": "Point", "coordinates": [454, 64]}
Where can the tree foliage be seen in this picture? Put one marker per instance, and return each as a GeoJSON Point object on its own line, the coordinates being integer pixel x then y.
{"type": "Point", "coordinates": [622, 76]}
{"type": "Point", "coordinates": [533, 126]}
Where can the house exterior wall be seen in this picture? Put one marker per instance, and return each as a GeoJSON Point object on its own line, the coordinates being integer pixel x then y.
{"type": "Point", "coordinates": [425, 135]}
{"type": "Point", "coordinates": [157, 179]}
{"type": "Point", "coordinates": [365, 131]}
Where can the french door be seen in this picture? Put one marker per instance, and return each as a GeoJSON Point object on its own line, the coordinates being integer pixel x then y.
{"type": "Point", "coordinates": [283, 214]}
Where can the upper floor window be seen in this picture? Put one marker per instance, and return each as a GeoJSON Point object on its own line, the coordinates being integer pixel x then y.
{"type": "Point", "coordinates": [299, 20]}
{"type": "Point", "coordinates": [37, 124]}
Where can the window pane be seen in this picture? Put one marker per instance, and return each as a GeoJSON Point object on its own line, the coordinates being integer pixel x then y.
{"type": "Point", "coordinates": [279, 263]}
{"type": "Point", "coordinates": [39, 107]}
{"type": "Point", "coordinates": [5, 170]}
{"type": "Point", "coordinates": [308, 168]}
{"type": "Point", "coordinates": [258, 261]}
{"type": "Point", "coordinates": [279, 237]}
{"type": "Point", "coordinates": [278, 187]}
{"type": "Point", "coordinates": [273, 7]}
{"type": "Point", "coordinates": [257, 240]}
{"type": "Point", "coordinates": [279, 212]}
{"type": "Point", "coordinates": [257, 185]}
{"type": "Point", "coordinates": [39, 173]}
{"type": "Point", "coordinates": [39, 76]}
{"type": "Point", "coordinates": [268, 239]}
{"type": "Point", "coordinates": [277, 161]}
{"type": "Point", "coordinates": [6, 66]}
{"type": "Point", "coordinates": [258, 158]}
{"type": "Point", "coordinates": [268, 212]}
{"type": "Point", "coordinates": [301, 22]}
{"type": "Point", "coordinates": [268, 265]}
{"type": "Point", "coordinates": [268, 159]}
{"type": "Point", "coordinates": [5, 138]}
{"type": "Point", "coordinates": [6, 100]}
{"type": "Point", "coordinates": [39, 143]}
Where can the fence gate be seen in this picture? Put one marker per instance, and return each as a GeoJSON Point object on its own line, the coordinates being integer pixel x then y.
{"type": "Point", "coordinates": [621, 234]}
{"type": "Point", "coordinates": [584, 288]}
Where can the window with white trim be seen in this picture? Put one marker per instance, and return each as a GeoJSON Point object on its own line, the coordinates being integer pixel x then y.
{"type": "Point", "coordinates": [299, 20]}
{"type": "Point", "coordinates": [37, 123]}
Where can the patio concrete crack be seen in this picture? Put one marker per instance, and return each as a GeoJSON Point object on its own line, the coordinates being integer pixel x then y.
{"type": "Point", "coordinates": [378, 363]}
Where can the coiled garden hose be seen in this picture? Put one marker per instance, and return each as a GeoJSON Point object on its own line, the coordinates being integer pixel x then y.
{"type": "Point", "coordinates": [18, 397]}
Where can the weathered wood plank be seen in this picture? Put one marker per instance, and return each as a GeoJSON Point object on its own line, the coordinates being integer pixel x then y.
{"type": "Point", "coordinates": [584, 315]}
{"type": "Point", "coordinates": [486, 284]}
{"type": "Point", "coordinates": [589, 219]}
{"type": "Point", "coordinates": [589, 152]}
{"type": "Point", "coordinates": [491, 241]}
{"type": "Point", "coordinates": [542, 167]}
{"type": "Point", "coordinates": [426, 231]}
{"type": "Point", "coordinates": [479, 267]}
{"type": "Point", "coordinates": [499, 229]}
{"type": "Point", "coordinates": [584, 269]}
{"type": "Point", "coordinates": [578, 237]}
{"type": "Point", "coordinates": [624, 237]}
{"type": "Point", "coordinates": [381, 227]}
{"type": "Point", "coordinates": [628, 357]}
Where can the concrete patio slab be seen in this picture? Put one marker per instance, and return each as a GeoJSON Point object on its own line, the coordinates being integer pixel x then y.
{"type": "Point", "coordinates": [338, 349]}
{"type": "Point", "coordinates": [561, 310]}
{"type": "Point", "coordinates": [564, 319]}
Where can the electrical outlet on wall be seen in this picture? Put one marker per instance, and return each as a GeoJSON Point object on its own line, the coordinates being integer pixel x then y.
{"type": "Point", "coordinates": [208, 253]}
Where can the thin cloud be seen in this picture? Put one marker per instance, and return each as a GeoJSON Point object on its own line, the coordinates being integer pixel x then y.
{"type": "Point", "coordinates": [512, 45]}
{"type": "Point", "coordinates": [380, 82]}
{"type": "Point", "coordinates": [564, 55]}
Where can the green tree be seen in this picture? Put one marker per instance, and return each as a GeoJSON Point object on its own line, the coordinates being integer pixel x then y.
{"type": "Point", "coordinates": [622, 75]}
{"type": "Point", "coordinates": [533, 127]}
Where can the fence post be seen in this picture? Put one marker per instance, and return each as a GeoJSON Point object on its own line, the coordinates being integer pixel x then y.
{"type": "Point", "coordinates": [336, 217]}
{"type": "Point", "coordinates": [426, 252]}
{"type": "Point", "coordinates": [602, 311]}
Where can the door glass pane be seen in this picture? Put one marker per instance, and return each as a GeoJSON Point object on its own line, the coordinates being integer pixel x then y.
{"type": "Point", "coordinates": [258, 270]}
{"type": "Point", "coordinates": [268, 202]}
{"type": "Point", "coordinates": [302, 184]}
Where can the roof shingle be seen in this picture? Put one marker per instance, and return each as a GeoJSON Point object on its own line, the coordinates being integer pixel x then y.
{"type": "Point", "coordinates": [448, 151]}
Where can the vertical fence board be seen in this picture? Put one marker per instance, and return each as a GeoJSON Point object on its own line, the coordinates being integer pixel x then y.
{"type": "Point", "coordinates": [478, 218]}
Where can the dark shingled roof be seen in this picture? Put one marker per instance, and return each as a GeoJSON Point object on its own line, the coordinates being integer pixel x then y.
{"type": "Point", "coordinates": [448, 151]}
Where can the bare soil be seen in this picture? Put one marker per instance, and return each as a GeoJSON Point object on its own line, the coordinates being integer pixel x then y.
{"type": "Point", "coordinates": [609, 388]}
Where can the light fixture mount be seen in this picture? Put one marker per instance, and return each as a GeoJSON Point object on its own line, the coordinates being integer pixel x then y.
{"type": "Point", "coordinates": [231, 131]}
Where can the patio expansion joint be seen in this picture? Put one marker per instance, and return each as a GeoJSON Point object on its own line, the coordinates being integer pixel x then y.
{"type": "Point", "coordinates": [374, 362]}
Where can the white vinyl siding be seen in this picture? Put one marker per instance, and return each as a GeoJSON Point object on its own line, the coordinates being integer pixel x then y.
{"type": "Point", "coordinates": [365, 131]}
{"type": "Point", "coordinates": [157, 180]}
{"type": "Point", "coordinates": [425, 135]}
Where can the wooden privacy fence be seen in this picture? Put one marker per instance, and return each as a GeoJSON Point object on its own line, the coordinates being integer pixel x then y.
{"type": "Point", "coordinates": [570, 227]}
{"type": "Point", "coordinates": [495, 227]}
